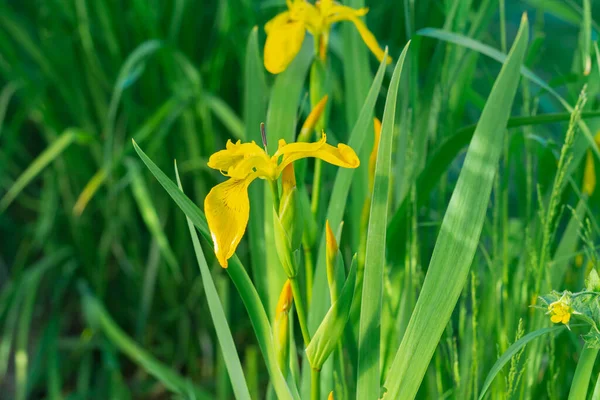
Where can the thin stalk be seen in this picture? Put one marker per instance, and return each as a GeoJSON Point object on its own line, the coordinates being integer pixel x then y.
{"type": "Point", "coordinates": [297, 293]}
{"type": "Point", "coordinates": [316, 193]}
{"type": "Point", "coordinates": [315, 384]}
{"type": "Point", "coordinates": [309, 268]}
{"type": "Point", "coordinates": [583, 372]}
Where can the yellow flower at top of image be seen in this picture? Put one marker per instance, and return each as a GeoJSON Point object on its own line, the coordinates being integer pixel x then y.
{"type": "Point", "coordinates": [286, 31]}
{"type": "Point", "coordinates": [589, 172]}
{"type": "Point", "coordinates": [560, 311]}
{"type": "Point", "coordinates": [227, 206]}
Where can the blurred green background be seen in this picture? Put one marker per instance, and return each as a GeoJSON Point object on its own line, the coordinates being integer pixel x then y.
{"type": "Point", "coordinates": [81, 216]}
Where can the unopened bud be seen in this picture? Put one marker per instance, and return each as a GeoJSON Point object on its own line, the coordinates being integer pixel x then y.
{"type": "Point", "coordinates": [289, 214]}
{"type": "Point", "coordinates": [373, 157]}
{"type": "Point", "coordinates": [331, 251]}
{"type": "Point", "coordinates": [330, 397]}
{"type": "Point", "coordinates": [281, 326]}
{"type": "Point", "coordinates": [311, 121]}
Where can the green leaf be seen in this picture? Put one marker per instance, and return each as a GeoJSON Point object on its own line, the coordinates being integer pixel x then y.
{"type": "Point", "coordinates": [369, 346]}
{"type": "Point", "coordinates": [50, 154]}
{"type": "Point", "coordinates": [239, 276]}
{"type": "Point", "coordinates": [329, 332]}
{"type": "Point", "coordinates": [230, 355]}
{"type": "Point", "coordinates": [255, 109]}
{"type": "Point", "coordinates": [150, 217]}
{"type": "Point", "coordinates": [511, 351]}
{"type": "Point", "coordinates": [226, 115]}
{"type": "Point", "coordinates": [339, 198]}
{"type": "Point", "coordinates": [459, 233]}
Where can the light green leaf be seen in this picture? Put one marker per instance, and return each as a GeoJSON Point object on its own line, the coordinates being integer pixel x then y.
{"type": "Point", "coordinates": [459, 234]}
{"type": "Point", "coordinates": [369, 346]}
{"type": "Point", "coordinates": [50, 154]}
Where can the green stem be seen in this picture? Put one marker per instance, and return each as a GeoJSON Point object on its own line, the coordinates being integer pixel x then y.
{"type": "Point", "coordinates": [297, 293]}
{"type": "Point", "coordinates": [583, 372]}
{"type": "Point", "coordinates": [315, 384]}
{"type": "Point", "coordinates": [275, 193]}
{"type": "Point", "coordinates": [308, 270]}
{"type": "Point", "coordinates": [316, 193]}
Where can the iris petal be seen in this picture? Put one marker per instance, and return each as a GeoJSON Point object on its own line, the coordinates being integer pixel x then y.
{"type": "Point", "coordinates": [342, 155]}
{"type": "Point", "coordinates": [227, 209]}
{"type": "Point", "coordinates": [284, 41]}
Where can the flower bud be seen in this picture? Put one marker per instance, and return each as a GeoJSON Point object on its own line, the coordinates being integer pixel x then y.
{"type": "Point", "coordinates": [331, 251]}
{"type": "Point", "coordinates": [288, 207]}
{"type": "Point", "coordinates": [311, 121]}
{"type": "Point", "coordinates": [281, 326]}
{"type": "Point", "coordinates": [330, 397]}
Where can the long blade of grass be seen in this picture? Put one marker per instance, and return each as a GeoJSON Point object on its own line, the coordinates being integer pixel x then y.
{"type": "Point", "coordinates": [54, 150]}
{"type": "Point", "coordinates": [372, 294]}
{"type": "Point", "coordinates": [527, 73]}
{"type": "Point", "coordinates": [150, 216]}
{"type": "Point", "coordinates": [246, 290]}
{"type": "Point", "coordinates": [511, 351]}
{"type": "Point", "coordinates": [226, 115]}
{"type": "Point", "coordinates": [459, 233]}
{"type": "Point", "coordinates": [230, 355]}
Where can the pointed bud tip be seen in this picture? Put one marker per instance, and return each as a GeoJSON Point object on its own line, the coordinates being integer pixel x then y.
{"type": "Point", "coordinates": [285, 298]}
{"type": "Point", "coordinates": [332, 246]}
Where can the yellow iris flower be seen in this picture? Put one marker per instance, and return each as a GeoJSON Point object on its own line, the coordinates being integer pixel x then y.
{"type": "Point", "coordinates": [285, 32]}
{"type": "Point", "coordinates": [227, 206]}
{"type": "Point", "coordinates": [560, 311]}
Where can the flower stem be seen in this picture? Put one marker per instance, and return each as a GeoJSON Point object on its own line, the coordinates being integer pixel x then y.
{"type": "Point", "coordinates": [297, 293]}
{"type": "Point", "coordinates": [315, 384]}
{"type": "Point", "coordinates": [316, 193]}
{"type": "Point", "coordinates": [583, 372]}
{"type": "Point", "coordinates": [275, 193]}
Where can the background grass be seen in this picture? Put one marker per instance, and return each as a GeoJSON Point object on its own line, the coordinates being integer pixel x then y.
{"type": "Point", "coordinates": [100, 294]}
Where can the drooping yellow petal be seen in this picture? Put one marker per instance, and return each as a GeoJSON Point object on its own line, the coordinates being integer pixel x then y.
{"type": "Point", "coordinates": [277, 21]}
{"type": "Point", "coordinates": [373, 156]}
{"type": "Point", "coordinates": [556, 319]}
{"type": "Point", "coordinates": [342, 155]}
{"type": "Point", "coordinates": [283, 44]}
{"type": "Point", "coordinates": [589, 175]}
{"type": "Point", "coordinates": [342, 13]}
{"type": "Point", "coordinates": [227, 209]}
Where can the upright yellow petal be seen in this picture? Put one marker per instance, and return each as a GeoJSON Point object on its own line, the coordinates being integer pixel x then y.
{"type": "Point", "coordinates": [283, 44]}
{"type": "Point", "coordinates": [342, 13]}
{"type": "Point", "coordinates": [342, 155]}
{"type": "Point", "coordinates": [227, 209]}
{"type": "Point", "coordinates": [589, 175]}
{"type": "Point", "coordinates": [234, 154]}
{"type": "Point", "coordinates": [277, 21]}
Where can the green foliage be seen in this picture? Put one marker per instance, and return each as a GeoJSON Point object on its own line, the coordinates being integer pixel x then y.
{"type": "Point", "coordinates": [479, 172]}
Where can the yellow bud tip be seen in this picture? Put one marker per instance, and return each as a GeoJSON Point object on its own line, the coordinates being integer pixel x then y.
{"type": "Point", "coordinates": [331, 242]}
{"type": "Point", "coordinates": [285, 298]}
{"type": "Point", "coordinates": [313, 118]}
{"type": "Point", "coordinates": [330, 397]}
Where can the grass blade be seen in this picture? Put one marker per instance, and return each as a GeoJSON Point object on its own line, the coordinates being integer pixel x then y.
{"type": "Point", "coordinates": [372, 294]}
{"type": "Point", "coordinates": [50, 154]}
{"type": "Point", "coordinates": [511, 351]}
{"type": "Point", "coordinates": [459, 233]}
{"type": "Point", "coordinates": [230, 355]}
